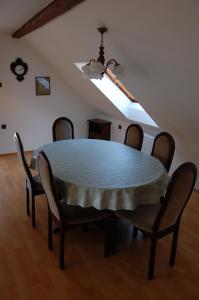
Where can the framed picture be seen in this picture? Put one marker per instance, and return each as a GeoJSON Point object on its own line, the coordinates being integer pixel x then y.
{"type": "Point", "coordinates": [42, 85]}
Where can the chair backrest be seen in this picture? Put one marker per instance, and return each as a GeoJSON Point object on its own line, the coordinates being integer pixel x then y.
{"type": "Point", "coordinates": [45, 173]}
{"type": "Point", "coordinates": [178, 193]}
{"type": "Point", "coordinates": [62, 129]}
{"type": "Point", "coordinates": [134, 136]}
{"type": "Point", "coordinates": [163, 149]}
{"type": "Point", "coordinates": [20, 152]}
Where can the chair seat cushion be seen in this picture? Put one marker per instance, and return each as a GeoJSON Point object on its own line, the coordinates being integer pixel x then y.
{"type": "Point", "coordinates": [37, 185]}
{"type": "Point", "coordinates": [75, 214]}
{"type": "Point", "coordinates": [143, 217]}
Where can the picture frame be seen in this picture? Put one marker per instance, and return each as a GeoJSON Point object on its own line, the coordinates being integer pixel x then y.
{"type": "Point", "coordinates": [42, 85]}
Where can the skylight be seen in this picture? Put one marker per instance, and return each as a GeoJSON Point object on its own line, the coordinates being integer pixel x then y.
{"type": "Point", "coordinates": [131, 110]}
{"type": "Point", "coordinates": [117, 82]}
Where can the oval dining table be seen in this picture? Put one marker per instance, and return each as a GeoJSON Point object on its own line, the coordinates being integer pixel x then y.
{"type": "Point", "coordinates": [104, 174]}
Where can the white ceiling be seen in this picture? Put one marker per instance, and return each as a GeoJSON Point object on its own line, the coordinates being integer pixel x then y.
{"type": "Point", "coordinates": [14, 13]}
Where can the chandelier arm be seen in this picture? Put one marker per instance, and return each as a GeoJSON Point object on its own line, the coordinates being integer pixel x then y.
{"type": "Point", "coordinates": [110, 61]}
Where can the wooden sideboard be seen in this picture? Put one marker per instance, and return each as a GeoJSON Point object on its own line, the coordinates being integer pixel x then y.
{"type": "Point", "coordinates": [99, 129]}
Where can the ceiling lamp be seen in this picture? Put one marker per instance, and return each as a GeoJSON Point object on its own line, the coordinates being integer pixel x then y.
{"type": "Point", "coordinates": [95, 69]}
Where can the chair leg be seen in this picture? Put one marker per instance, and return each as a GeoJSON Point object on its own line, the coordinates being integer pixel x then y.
{"type": "Point", "coordinates": [107, 246]}
{"type": "Point", "coordinates": [56, 230]}
{"type": "Point", "coordinates": [107, 223]}
{"type": "Point", "coordinates": [114, 234]}
{"type": "Point", "coordinates": [61, 247]}
{"type": "Point", "coordinates": [33, 210]}
{"type": "Point", "coordinates": [152, 258]}
{"type": "Point", "coordinates": [145, 236]}
{"type": "Point", "coordinates": [85, 227]}
{"type": "Point", "coordinates": [27, 200]}
{"type": "Point", "coordinates": [50, 240]}
{"type": "Point", "coordinates": [174, 246]}
{"type": "Point", "coordinates": [110, 236]}
{"type": "Point", "coordinates": [135, 232]}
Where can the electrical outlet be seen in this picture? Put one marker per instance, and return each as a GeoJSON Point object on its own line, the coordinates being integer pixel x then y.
{"type": "Point", "coordinates": [3, 126]}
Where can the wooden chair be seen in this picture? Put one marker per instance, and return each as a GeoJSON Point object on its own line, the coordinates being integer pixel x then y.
{"type": "Point", "coordinates": [163, 149]}
{"type": "Point", "coordinates": [62, 129]}
{"type": "Point", "coordinates": [134, 136]}
{"type": "Point", "coordinates": [66, 216]}
{"type": "Point", "coordinates": [158, 220]}
{"type": "Point", "coordinates": [33, 183]}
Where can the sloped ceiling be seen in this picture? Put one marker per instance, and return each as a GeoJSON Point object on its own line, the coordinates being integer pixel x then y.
{"type": "Point", "coordinates": [157, 41]}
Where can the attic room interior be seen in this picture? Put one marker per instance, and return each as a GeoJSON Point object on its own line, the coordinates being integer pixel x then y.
{"type": "Point", "coordinates": [99, 149]}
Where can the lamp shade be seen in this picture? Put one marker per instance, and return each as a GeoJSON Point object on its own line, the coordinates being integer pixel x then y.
{"type": "Point", "coordinates": [93, 70]}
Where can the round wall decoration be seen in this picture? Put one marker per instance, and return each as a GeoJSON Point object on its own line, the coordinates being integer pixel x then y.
{"type": "Point", "coordinates": [19, 68]}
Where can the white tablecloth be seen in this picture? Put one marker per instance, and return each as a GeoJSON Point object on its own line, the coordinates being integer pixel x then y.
{"type": "Point", "coordinates": [104, 174]}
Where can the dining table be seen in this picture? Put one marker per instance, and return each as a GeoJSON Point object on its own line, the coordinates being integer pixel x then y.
{"type": "Point", "coordinates": [104, 174]}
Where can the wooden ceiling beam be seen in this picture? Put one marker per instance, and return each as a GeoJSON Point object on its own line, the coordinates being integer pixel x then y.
{"type": "Point", "coordinates": [47, 14]}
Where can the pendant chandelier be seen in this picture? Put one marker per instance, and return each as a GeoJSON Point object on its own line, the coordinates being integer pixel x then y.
{"type": "Point", "coordinates": [95, 69]}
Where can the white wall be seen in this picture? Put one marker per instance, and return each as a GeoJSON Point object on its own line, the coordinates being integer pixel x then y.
{"type": "Point", "coordinates": [118, 135]}
{"type": "Point", "coordinates": [181, 154]}
{"type": "Point", "coordinates": [32, 116]}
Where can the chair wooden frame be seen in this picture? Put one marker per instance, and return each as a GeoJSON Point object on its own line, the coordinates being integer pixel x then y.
{"type": "Point", "coordinates": [55, 124]}
{"type": "Point", "coordinates": [29, 183]}
{"type": "Point", "coordinates": [63, 226]}
{"type": "Point", "coordinates": [172, 148]}
{"type": "Point", "coordinates": [141, 135]}
{"type": "Point", "coordinates": [156, 234]}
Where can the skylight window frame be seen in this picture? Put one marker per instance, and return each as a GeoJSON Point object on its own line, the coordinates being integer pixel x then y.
{"type": "Point", "coordinates": [120, 85]}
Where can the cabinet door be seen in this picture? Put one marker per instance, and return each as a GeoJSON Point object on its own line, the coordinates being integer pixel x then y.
{"type": "Point", "coordinates": [99, 131]}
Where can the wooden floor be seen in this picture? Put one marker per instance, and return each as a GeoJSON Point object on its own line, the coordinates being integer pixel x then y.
{"type": "Point", "coordinates": [29, 271]}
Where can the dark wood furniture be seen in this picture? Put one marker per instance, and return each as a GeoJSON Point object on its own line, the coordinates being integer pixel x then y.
{"type": "Point", "coordinates": [33, 183]}
{"type": "Point", "coordinates": [99, 129]}
{"type": "Point", "coordinates": [158, 220]}
{"type": "Point", "coordinates": [134, 136]}
{"type": "Point", "coordinates": [62, 129]}
{"type": "Point", "coordinates": [66, 216]}
{"type": "Point", "coordinates": [53, 10]}
{"type": "Point", "coordinates": [163, 149]}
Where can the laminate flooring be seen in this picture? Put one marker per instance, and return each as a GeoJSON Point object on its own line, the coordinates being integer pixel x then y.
{"type": "Point", "coordinates": [28, 271]}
